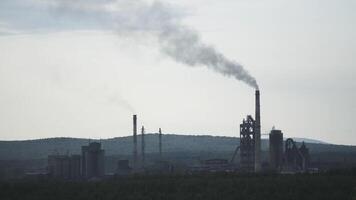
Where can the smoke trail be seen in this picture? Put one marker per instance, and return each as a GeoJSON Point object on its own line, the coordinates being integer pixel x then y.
{"type": "Point", "coordinates": [117, 99]}
{"type": "Point", "coordinates": [178, 41]}
{"type": "Point", "coordinates": [185, 46]}
{"type": "Point", "coordinates": [136, 16]}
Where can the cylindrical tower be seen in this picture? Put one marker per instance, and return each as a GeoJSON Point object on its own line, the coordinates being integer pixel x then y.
{"type": "Point", "coordinates": [143, 146]}
{"type": "Point", "coordinates": [160, 142]}
{"type": "Point", "coordinates": [257, 133]}
{"type": "Point", "coordinates": [134, 141]}
{"type": "Point", "coordinates": [276, 149]}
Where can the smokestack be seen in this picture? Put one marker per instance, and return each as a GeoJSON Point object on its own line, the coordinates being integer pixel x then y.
{"type": "Point", "coordinates": [143, 146]}
{"type": "Point", "coordinates": [257, 133]}
{"type": "Point", "coordinates": [134, 141]}
{"type": "Point", "coordinates": [160, 142]}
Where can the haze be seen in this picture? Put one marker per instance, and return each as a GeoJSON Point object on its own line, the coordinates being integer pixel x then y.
{"type": "Point", "coordinates": [67, 74]}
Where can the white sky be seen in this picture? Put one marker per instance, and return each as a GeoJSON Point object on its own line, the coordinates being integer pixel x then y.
{"type": "Point", "coordinates": [79, 81]}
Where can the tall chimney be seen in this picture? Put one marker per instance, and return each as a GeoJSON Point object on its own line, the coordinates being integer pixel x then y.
{"type": "Point", "coordinates": [160, 142]}
{"type": "Point", "coordinates": [257, 133]}
{"type": "Point", "coordinates": [134, 141]}
{"type": "Point", "coordinates": [143, 146]}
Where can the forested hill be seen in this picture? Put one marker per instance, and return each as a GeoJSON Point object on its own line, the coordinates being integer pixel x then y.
{"type": "Point", "coordinates": [41, 148]}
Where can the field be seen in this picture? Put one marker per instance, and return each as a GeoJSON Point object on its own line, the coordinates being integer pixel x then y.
{"type": "Point", "coordinates": [336, 185]}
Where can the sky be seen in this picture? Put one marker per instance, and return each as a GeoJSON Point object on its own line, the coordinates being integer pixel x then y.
{"type": "Point", "coordinates": [82, 68]}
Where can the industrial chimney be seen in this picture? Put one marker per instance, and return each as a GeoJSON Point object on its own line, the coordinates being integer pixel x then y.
{"type": "Point", "coordinates": [160, 142]}
{"type": "Point", "coordinates": [257, 133]}
{"type": "Point", "coordinates": [143, 146]}
{"type": "Point", "coordinates": [134, 141]}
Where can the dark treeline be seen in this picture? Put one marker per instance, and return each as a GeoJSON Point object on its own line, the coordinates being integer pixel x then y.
{"type": "Point", "coordinates": [326, 186]}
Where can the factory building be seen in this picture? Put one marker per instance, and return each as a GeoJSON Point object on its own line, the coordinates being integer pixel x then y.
{"type": "Point", "coordinates": [306, 157]}
{"type": "Point", "coordinates": [247, 144]}
{"type": "Point", "coordinates": [250, 140]}
{"type": "Point", "coordinates": [64, 166]}
{"type": "Point", "coordinates": [295, 159]}
{"type": "Point", "coordinates": [93, 161]}
{"type": "Point", "coordinates": [276, 149]}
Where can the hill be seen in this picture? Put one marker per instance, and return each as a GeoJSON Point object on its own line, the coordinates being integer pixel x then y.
{"type": "Point", "coordinates": [41, 148]}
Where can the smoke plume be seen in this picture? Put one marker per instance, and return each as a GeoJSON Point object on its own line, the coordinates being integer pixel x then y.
{"type": "Point", "coordinates": [129, 17]}
{"type": "Point", "coordinates": [185, 46]}
{"type": "Point", "coordinates": [178, 41]}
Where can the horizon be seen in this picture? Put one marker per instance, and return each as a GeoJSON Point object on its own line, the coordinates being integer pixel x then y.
{"type": "Point", "coordinates": [263, 137]}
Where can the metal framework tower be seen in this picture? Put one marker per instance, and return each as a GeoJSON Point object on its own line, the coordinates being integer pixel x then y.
{"type": "Point", "coordinates": [296, 159]}
{"type": "Point", "coordinates": [247, 144]}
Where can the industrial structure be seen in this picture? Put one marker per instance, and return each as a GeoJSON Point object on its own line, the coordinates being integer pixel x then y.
{"type": "Point", "coordinates": [134, 142]}
{"type": "Point", "coordinates": [295, 159]}
{"type": "Point", "coordinates": [213, 165]}
{"type": "Point", "coordinates": [250, 140]}
{"type": "Point", "coordinates": [257, 133]}
{"type": "Point", "coordinates": [64, 166]}
{"type": "Point", "coordinates": [93, 161]}
{"type": "Point", "coordinates": [143, 147]}
{"type": "Point", "coordinates": [276, 149]}
{"type": "Point", "coordinates": [247, 144]}
{"type": "Point", "coordinates": [89, 165]}
{"type": "Point", "coordinates": [160, 143]}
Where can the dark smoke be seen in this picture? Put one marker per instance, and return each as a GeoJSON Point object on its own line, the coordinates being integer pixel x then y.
{"type": "Point", "coordinates": [129, 17]}
{"type": "Point", "coordinates": [176, 40]}
{"type": "Point", "coordinates": [185, 46]}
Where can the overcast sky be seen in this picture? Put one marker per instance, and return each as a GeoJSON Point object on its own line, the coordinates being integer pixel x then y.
{"type": "Point", "coordinates": [82, 69]}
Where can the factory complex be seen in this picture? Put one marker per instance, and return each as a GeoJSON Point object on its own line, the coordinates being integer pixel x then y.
{"type": "Point", "coordinates": [284, 156]}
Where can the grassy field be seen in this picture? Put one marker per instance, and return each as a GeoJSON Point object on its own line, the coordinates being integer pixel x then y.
{"type": "Point", "coordinates": [338, 186]}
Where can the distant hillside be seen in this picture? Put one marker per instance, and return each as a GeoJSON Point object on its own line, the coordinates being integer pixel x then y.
{"type": "Point", "coordinates": [41, 148]}
{"type": "Point", "coordinates": [309, 140]}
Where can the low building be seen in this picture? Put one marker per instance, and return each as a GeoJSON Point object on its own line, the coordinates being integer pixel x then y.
{"type": "Point", "coordinates": [214, 165]}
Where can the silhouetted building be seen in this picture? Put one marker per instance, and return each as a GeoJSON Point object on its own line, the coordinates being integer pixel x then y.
{"type": "Point", "coordinates": [213, 165]}
{"type": "Point", "coordinates": [276, 149]}
{"type": "Point", "coordinates": [247, 144]}
{"type": "Point", "coordinates": [295, 159]}
{"type": "Point", "coordinates": [250, 140]}
{"type": "Point", "coordinates": [257, 131]}
{"type": "Point", "coordinates": [64, 166]}
{"type": "Point", "coordinates": [93, 160]}
{"type": "Point", "coordinates": [305, 154]}
{"type": "Point", "coordinates": [75, 164]}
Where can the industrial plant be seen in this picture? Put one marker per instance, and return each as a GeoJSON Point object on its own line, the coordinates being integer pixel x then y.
{"type": "Point", "coordinates": [89, 165]}
{"type": "Point", "coordinates": [283, 156]}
